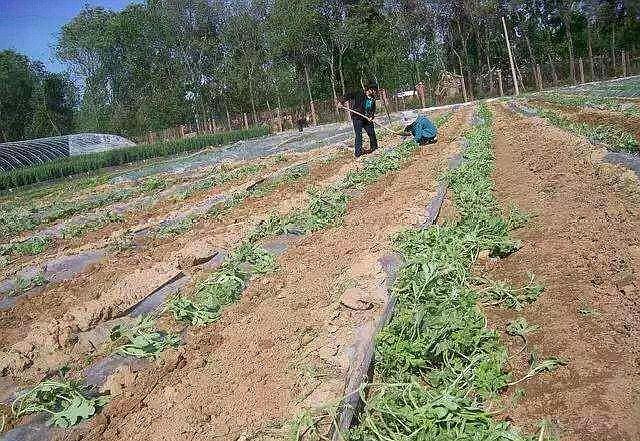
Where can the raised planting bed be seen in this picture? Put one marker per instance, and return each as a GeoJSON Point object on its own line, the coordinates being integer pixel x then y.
{"type": "Point", "coordinates": [94, 161]}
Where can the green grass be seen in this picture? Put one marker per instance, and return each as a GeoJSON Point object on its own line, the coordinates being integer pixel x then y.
{"type": "Point", "coordinates": [90, 162]}
{"type": "Point", "coordinates": [437, 363]}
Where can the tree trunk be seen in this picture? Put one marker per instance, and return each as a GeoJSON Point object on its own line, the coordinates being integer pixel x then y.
{"type": "Point", "coordinates": [253, 104]}
{"type": "Point", "coordinates": [470, 89]}
{"type": "Point", "coordinates": [466, 55]}
{"type": "Point", "coordinates": [333, 86]}
{"type": "Point", "coordinates": [313, 107]}
{"type": "Point", "coordinates": [567, 26]}
{"type": "Point", "coordinates": [511, 62]}
{"type": "Point", "coordinates": [464, 87]}
{"type": "Point", "coordinates": [341, 74]}
{"type": "Point", "coordinates": [228, 116]}
{"type": "Point", "coordinates": [553, 70]}
{"type": "Point", "coordinates": [592, 69]}
{"type": "Point", "coordinates": [492, 86]}
{"type": "Point", "coordinates": [613, 47]}
{"type": "Point", "coordinates": [279, 115]}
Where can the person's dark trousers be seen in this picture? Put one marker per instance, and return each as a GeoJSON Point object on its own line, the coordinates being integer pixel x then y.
{"type": "Point", "coordinates": [358, 125]}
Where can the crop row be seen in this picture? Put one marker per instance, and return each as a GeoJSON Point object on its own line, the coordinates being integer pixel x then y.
{"type": "Point", "coordinates": [67, 402]}
{"type": "Point", "coordinates": [437, 364]}
{"type": "Point", "coordinates": [94, 161]}
{"type": "Point", "coordinates": [613, 137]}
{"type": "Point", "coordinates": [19, 220]}
{"type": "Point", "coordinates": [627, 108]}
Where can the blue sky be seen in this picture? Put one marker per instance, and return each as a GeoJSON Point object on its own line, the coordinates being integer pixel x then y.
{"type": "Point", "coordinates": [31, 26]}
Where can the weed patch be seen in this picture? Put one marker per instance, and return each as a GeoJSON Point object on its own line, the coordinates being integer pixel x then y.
{"type": "Point", "coordinates": [17, 219]}
{"type": "Point", "coordinates": [502, 293]}
{"type": "Point", "coordinates": [601, 103]}
{"type": "Point", "coordinates": [24, 284]}
{"type": "Point", "coordinates": [221, 177]}
{"type": "Point", "coordinates": [81, 230]}
{"type": "Point", "coordinates": [60, 168]}
{"type": "Point", "coordinates": [588, 311]}
{"type": "Point", "coordinates": [154, 183]}
{"type": "Point", "coordinates": [175, 228]}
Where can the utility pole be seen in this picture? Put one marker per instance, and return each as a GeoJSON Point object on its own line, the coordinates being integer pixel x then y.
{"type": "Point", "coordinates": [513, 68]}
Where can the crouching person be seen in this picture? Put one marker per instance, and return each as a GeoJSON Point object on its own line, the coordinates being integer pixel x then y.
{"type": "Point", "coordinates": [422, 130]}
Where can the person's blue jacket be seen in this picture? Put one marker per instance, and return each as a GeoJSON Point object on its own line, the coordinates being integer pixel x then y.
{"type": "Point", "coordinates": [423, 130]}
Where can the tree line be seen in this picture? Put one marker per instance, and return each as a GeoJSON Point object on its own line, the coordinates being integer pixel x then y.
{"type": "Point", "coordinates": [34, 103]}
{"type": "Point", "coordinates": [161, 63]}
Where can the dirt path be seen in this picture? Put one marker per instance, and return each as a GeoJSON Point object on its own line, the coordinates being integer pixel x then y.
{"type": "Point", "coordinates": [584, 244]}
{"type": "Point", "coordinates": [285, 345]}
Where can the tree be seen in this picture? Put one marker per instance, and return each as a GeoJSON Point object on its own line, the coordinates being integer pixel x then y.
{"type": "Point", "coordinates": [295, 36]}
{"type": "Point", "coordinates": [34, 103]}
{"type": "Point", "coordinates": [17, 85]}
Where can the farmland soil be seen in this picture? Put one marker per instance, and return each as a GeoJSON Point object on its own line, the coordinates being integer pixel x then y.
{"type": "Point", "coordinates": [286, 344]}
{"type": "Point", "coordinates": [584, 244]}
{"type": "Point", "coordinates": [595, 117]}
{"type": "Point", "coordinates": [41, 317]}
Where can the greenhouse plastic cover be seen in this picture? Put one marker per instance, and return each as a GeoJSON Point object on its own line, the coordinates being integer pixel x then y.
{"type": "Point", "coordinates": [37, 151]}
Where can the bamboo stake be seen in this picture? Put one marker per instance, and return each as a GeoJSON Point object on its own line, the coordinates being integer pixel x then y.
{"type": "Point", "coordinates": [513, 68]}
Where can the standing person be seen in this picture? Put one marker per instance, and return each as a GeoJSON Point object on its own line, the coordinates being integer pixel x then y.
{"type": "Point", "coordinates": [363, 102]}
{"type": "Point", "coordinates": [301, 122]}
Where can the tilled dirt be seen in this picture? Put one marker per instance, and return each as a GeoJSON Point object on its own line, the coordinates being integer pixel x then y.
{"type": "Point", "coordinates": [286, 344]}
{"type": "Point", "coordinates": [43, 315]}
{"type": "Point", "coordinates": [584, 244]}
{"type": "Point", "coordinates": [596, 117]}
{"type": "Point", "coordinates": [156, 207]}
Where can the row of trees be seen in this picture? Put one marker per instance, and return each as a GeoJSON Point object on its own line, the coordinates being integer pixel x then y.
{"type": "Point", "coordinates": [161, 63]}
{"type": "Point", "coordinates": [34, 103]}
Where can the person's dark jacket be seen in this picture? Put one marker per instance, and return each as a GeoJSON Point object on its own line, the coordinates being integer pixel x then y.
{"type": "Point", "coordinates": [357, 101]}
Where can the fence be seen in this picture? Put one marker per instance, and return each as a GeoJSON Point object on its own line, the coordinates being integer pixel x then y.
{"type": "Point", "coordinates": [496, 82]}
